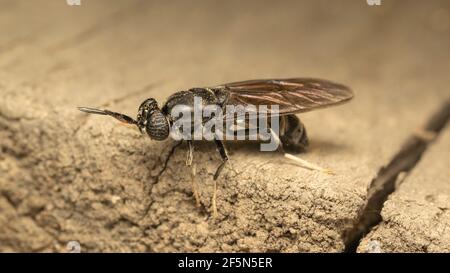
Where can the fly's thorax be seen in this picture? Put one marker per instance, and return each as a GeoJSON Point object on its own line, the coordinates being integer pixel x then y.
{"type": "Point", "coordinates": [188, 98]}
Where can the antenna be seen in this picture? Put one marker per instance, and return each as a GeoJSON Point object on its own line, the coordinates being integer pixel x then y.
{"type": "Point", "coordinates": [121, 117]}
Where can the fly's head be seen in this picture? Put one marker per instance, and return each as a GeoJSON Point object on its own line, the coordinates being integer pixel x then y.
{"type": "Point", "coordinates": [151, 119]}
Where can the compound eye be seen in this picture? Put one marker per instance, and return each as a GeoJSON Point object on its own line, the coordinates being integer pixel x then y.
{"type": "Point", "coordinates": [158, 126]}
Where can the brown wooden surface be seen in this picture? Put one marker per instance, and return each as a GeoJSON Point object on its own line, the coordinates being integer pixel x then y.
{"type": "Point", "coordinates": [66, 176]}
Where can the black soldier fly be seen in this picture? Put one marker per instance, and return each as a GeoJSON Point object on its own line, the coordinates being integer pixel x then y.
{"type": "Point", "coordinates": [291, 96]}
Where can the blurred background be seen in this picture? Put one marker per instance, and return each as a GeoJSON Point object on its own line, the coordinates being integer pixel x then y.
{"type": "Point", "coordinates": [101, 46]}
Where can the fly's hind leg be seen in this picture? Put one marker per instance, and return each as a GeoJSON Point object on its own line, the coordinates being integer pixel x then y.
{"type": "Point", "coordinates": [293, 135]}
{"type": "Point", "coordinates": [297, 140]}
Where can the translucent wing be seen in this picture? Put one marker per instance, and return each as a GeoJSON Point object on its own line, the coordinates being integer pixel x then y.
{"type": "Point", "coordinates": [291, 95]}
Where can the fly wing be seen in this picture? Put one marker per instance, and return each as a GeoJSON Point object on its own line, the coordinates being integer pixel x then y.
{"type": "Point", "coordinates": [292, 96]}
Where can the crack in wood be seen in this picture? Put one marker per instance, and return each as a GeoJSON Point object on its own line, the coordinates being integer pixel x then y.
{"type": "Point", "coordinates": [384, 184]}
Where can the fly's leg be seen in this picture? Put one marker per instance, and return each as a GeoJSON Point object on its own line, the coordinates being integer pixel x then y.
{"type": "Point", "coordinates": [303, 163]}
{"type": "Point", "coordinates": [294, 137]}
{"type": "Point", "coordinates": [224, 156]}
{"type": "Point", "coordinates": [190, 154]}
{"type": "Point", "coordinates": [166, 162]}
{"type": "Point", "coordinates": [194, 184]}
{"type": "Point", "coordinates": [189, 159]}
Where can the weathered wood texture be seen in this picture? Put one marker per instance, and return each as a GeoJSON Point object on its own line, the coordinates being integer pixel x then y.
{"type": "Point", "coordinates": [416, 217]}
{"type": "Point", "coordinates": [66, 176]}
